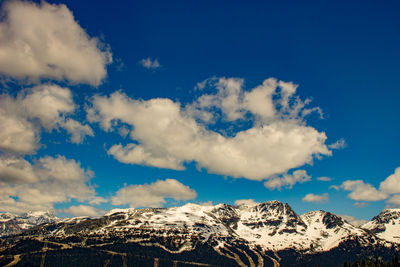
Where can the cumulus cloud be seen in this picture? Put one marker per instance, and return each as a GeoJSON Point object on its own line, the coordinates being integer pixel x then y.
{"type": "Point", "coordinates": [287, 180]}
{"type": "Point", "coordinates": [154, 194]}
{"type": "Point", "coordinates": [362, 191]}
{"type": "Point", "coordinates": [391, 185]}
{"type": "Point", "coordinates": [149, 63]}
{"type": "Point", "coordinates": [16, 170]}
{"type": "Point", "coordinates": [315, 198]}
{"type": "Point", "coordinates": [77, 130]}
{"type": "Point", "coordinates": [84, 210]}
{"type": "Point", "coordinates": [167, 134]}
{"type": "Point", "coordinates": [246, 202]}
{"type": "Point", "coordinates": [394, 201]}
{"type": "Point", "coordinates": [17, 134]}
{"type": "Point", "coordinates": [352, 220]}
{"type": "Point", "coordinates": [40, 185]}
{"type": "Point", "coordinates": [44, 106]}
{"type": "Point", "coordinates": [44, 41]}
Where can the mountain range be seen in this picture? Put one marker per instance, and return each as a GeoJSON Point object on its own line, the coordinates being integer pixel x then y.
{"type": "Point", "coordinates": [265, 234]}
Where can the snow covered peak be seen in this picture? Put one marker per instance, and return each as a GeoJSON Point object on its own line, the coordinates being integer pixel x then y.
{"type": "Point", "coordinates": [6, 216]}
{"type": "Point", "coordinates": [329, 220]}
{"type": "Point", "coordinates": [386, 225]}
{"type": "Point", "coordinates": [13, 224]}
{"type": "Point", "coordinates": [274, 208]}
{"type": "Point", "coordinates": [114, 211]}
{"type": "Point", "coordinates": [271, 225]}
{"type": "Point", "coordinates": [387, 216]}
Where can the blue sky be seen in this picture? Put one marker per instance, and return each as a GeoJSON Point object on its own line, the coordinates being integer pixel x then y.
{"type": "Point", "coordinates": [153, 55]}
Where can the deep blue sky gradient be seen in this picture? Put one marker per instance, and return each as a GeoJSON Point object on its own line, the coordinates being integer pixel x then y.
{"type": "Point", "coordinates": [345, 55]}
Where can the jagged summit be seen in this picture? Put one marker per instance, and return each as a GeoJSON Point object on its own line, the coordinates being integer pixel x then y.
{"type": "Point", "coordinates": [328, 219]}
{"type": "Point", "coordinates": [387, 216]}
{"type": "Point", "coordinates": [385, 225]}
{"type": "Point", "coordinates": [12, 223]}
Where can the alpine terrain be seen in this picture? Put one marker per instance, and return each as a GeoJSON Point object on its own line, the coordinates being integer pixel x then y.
{"type": "Point", "coordinates": [266, 234]}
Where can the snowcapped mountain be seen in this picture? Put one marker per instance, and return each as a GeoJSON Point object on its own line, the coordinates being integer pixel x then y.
{"type": "Point", "coordinates": [222, 235]}
{"type": "Point", "coordinates": [386, 225]}
{"type": "Point", "coordinates": [11, 224]}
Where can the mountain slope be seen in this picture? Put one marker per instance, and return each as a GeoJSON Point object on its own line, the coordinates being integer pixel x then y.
{"type": "Point", "coordinates": [11, 224]}
{"type": "Point", "coordinates": [386, 225]}
{"type": "Point", "coordinates": [222, 235]}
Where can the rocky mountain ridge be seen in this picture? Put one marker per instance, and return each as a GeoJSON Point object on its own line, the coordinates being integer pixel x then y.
{"type": "Point", "coordinates": [11, 224]}
{"type": "Point", "coordinates": [386, 225]}
{"type": "Point", "coordinates": [237, 235]}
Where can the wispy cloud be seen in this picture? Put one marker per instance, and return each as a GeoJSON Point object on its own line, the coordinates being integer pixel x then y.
{"type": "Point", "coordinates": [353, 220]}
{"type": "Point", "coordinates": [324, 179]}
{"type": "Point", "coordinates": [339, 144]}
{"type": "Point", "coordinates": [84, 210]}
{"type": "Point", "coordinates": [287, 180]}
{"type": "Point", "coordinates": [150, 63]}
{"type": "Point", "coordinates": [316, 198]}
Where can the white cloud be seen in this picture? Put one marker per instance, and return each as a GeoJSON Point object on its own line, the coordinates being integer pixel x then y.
{"type": "Point", "coordinates": [167, 135]}
{"type": "Point", "coordinates": [352, 220]}
{"type": "Point", "coordinates": [136, 154]}
{"type": "Point", "coordinates": [391, 185]}
{"type": "Point", "coordinates": [339, 144]}
{"type": "Point", "coordinates": [47, 103]}
{"type": "Point", "coordinates": [60, 169]}
{"type": "Point", "coordinates": [316, 198]}
{"type": "Point", "coordinates": [84, 210]}
{"type": "Point", "coordinates": [366, 192]}
{"type": "Point", "coordinates": [259, 100]}
{"type": "Point", "coordinates": [362, 191]}
{"type": "Point", "coordinates": [39, 186]}
{"type": "Point", "coordinates": [324, 179]}
{"type": "Point", "coordinates": [287, 180]}
{"type": "Point", "coordinates": [17, 134]}
{"type": "Point", "coordinates": [154, 194]}
{"type": "Point", "coordinates": [22, 118]}
{"type": "Point", "coordinates": [149, 63]}
{"type": "Point", "coordinates": [44, 41]}
{"type": "Point", "coordinates": [394, 201]}
{"type": "Point", "coordinates": [336, 187]}
{"type": "Point", "coordinates": [246, 202]}
{"type": "Point", "coordinates": [16, 170]}
{"type": "Point", "coordinates": [77, 130]}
